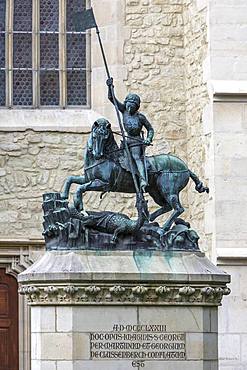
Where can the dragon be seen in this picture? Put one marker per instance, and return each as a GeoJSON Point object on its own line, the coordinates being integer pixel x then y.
{"type": "Point", "coordinates": [112, 222]}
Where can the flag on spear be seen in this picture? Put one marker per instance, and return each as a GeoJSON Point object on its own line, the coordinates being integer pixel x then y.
{"type": "Point", "coordinates": [84, 20]}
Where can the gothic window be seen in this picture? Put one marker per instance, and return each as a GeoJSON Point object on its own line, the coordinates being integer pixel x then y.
{"type": "Point", "coordinates": [2, 52]}
{"type": "Point", "coordinates": [43, 60]}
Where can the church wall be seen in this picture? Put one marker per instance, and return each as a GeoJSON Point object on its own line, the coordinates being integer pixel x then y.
{"type": "Point", "coordinates": [228, 94]}
{"type": "Point", "coordinates": [195, 54]}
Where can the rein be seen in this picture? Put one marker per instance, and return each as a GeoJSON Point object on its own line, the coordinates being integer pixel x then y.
{"type": "Point", "coordinates": [95, 164]}
{"type": "Point", "coordinates": [132, 138]}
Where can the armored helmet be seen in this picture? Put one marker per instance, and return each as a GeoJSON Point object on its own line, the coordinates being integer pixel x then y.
{"type": "Point", "coordinates": [133, 98]}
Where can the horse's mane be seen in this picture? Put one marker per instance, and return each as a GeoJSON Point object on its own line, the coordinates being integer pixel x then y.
{"type": "Point", "coordinates": [112, 149]}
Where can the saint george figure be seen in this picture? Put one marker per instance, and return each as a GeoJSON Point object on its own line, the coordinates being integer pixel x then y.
{"type": "Point", "coordinates": [133, 122]}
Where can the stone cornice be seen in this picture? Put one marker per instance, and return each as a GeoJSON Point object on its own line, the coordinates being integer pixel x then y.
{"type": "Point", "coordinates": [123, 293]}
{"type": "Point", "coordinates": [123, 277]}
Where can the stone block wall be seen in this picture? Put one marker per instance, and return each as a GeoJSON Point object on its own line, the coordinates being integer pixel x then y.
{"type": "Point", "coordinates": [154, 58]}
{"type": "Point", "coordinates": [227, 114]}
{"type": "Point", "coordinates": [230, 176]}
{"type": "Point", "coordinates": [233, 322]}
{"type": "Point", "coordinates": [228, 33]}
{"type": "Point", "coordinates": [61, 337]}
{"type": "Point", "coordinates": [195, 53]}
{"type": "Point", "coordinates": [155, 48]}
{"type": "Point", "coordinates": [32, 163]}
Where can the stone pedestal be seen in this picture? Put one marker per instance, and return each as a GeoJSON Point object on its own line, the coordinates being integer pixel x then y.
{"type": "Point", "coordinates": [124, 310]}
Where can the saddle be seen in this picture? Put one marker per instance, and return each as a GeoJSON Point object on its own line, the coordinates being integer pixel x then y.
{"type": "Point", "coordinates": [124, 164]}
{"type": "Point", "coordinates": [155, 163]}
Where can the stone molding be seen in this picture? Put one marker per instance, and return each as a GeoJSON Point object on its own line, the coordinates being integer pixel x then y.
{"type": "Point", "coordinates": [127, 294]}
{"type": "Point", "coordinates": [16, 260]}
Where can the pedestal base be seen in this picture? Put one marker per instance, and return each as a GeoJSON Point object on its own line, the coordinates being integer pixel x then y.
{"type": "Point", "coordinates": [124, 310]}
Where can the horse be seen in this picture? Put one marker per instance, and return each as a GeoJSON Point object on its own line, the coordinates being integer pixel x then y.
{"type": "Point", "coordinates": [104, 172]}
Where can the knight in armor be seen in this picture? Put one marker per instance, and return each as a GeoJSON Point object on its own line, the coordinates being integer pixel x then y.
{"type": "Point", "coordinates": [134, 122]}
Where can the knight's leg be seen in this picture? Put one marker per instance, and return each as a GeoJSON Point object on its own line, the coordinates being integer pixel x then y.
{"type": "Point", "coordinates": [173, 200]}
{"type": "Point", "coordinates": [136, 154]}
{"type": "Point", "coordinates": [69, 181]}
{"type": "Point", "coordinates": [142, 174]}
{"type": "Point", "coordinates": [96, 185]}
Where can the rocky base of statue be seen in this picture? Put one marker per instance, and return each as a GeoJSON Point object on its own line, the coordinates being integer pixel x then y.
{"type": "Point", "coordinates": [67, 228]}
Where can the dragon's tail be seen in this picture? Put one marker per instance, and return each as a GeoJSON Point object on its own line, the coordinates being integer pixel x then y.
{"type": "Point", "coordinates": [199, 185]}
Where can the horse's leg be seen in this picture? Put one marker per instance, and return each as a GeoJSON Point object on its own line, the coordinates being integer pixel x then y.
{"type": "Point", "coordinates": [160, 211]}
{"type": "Point", "coordinates": [69, 181]}
{"type": "Point", "coordinates": [168, 187]}
{"type": "Point", "coordinates": [95, 185]}
{"type": "Point", "coordinates": [174, 201]}
{"type": "Point", "coordinates": [161, 200]}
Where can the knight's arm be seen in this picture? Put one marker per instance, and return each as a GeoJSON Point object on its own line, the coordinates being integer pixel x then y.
{"type": "Point", "coordinates": [149, 128]}
{"type": "Point", "coordinates": [121, 106]}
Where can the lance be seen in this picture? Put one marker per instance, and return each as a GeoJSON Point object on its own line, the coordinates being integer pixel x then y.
{"type": "Point", "coordinates": [83, 21]}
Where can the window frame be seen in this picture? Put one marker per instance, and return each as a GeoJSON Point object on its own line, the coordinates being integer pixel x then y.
{"type": "Point", "coordinates": [62, 70]}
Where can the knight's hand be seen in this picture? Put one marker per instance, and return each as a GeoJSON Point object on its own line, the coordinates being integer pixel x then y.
{"type": "Point", "coordinates": [109, 81]}
{"type": "Point", "coordinates": [147, 142]}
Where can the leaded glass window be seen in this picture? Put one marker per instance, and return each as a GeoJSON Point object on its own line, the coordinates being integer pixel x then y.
{"type": "Point", "coordinates": [2, 52]}
{"type": "Point", "coordinates": [43, 61]}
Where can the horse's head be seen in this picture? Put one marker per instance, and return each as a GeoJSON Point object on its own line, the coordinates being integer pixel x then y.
{"type": "Point", "coordinates": [101, 132]}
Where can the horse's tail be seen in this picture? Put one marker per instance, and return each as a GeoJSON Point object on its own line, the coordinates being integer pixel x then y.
{"type": "Point", "coordinates": [199, 185]}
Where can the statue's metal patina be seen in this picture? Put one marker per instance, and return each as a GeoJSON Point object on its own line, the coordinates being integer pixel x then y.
{"type": "Point", "coordinates": [134, 122]}
{"type": "Point", "coordinates": [67, 228]}
{"type": "Point", "coordinates": [106, 170]}
{"type": "Point", "coordinates": [124, 169]}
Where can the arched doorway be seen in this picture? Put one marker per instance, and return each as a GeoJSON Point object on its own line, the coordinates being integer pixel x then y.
{"type": "Point", "coordinates": [9, 352]}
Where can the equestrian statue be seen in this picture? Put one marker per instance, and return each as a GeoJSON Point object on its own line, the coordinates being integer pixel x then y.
{"type": "Point", "coordinates": [105, 170]}
{"type": "Point", "coordinates": [124, 168]}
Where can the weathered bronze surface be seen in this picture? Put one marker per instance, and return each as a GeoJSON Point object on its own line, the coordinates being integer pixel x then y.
{"type": "Point", "coordinates": [67, 228]}
{"type": "Point", "coordinates": [134, 122]}
{"type": "Point", "coordinates": [125, 169]}
{"type": "Point", "coordinates": [106, 169]}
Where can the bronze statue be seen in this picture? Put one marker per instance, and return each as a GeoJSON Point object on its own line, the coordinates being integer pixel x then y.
{"type": "Point", "coordinates": [167, 174]}
{"type": "Point", "coordinates": [67, 228]}
{"type": "Point", "coordinates": [125, 169]}
{"type": "Point", "coordinates": [134, 122]}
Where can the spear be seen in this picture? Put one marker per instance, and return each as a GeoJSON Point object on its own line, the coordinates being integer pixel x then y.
{"type": "Point", "coordinates": [86, 20]}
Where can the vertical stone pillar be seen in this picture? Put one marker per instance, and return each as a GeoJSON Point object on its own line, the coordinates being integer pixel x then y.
{"type": "Point", "coordinates": [123, 310]}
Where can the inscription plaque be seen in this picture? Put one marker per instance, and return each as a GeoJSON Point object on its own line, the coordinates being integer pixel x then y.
{"type": "Point", "coordinates": [138, 343]}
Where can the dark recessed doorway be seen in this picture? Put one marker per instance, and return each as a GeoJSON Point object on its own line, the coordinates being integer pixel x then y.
{"type": "Point", "coordinates": [9, 353]}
